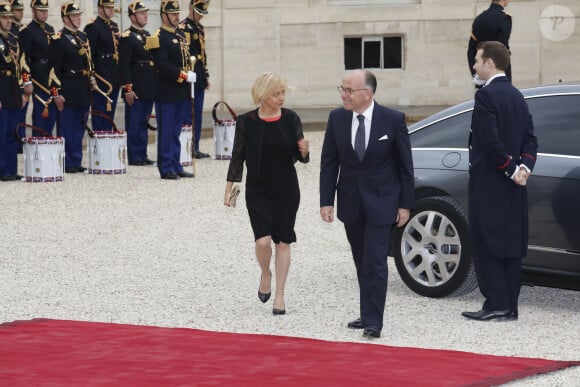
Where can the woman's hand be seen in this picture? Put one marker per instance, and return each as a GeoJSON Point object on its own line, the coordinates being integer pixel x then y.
{"type": "Point", "coordinates": [303, 147]}
{"type": "Point", "coordinates": [228, 193]}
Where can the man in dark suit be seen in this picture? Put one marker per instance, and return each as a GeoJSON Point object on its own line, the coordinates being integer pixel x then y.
{"type": "Point", "coordinates": [502, 154]}
{"type": "Point", "coordinates": [366, 159]}
{"type": "Point", "coordinates": [493, 24]}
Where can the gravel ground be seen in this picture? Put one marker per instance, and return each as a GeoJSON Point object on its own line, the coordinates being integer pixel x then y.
{"type": "Point", "coordinates": [136, 249]}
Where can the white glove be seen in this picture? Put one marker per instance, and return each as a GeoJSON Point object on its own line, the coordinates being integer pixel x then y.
{"type": "Point", "coordinates": [191, 77]}
{"type": "Point", "coordinates": [476, 80]}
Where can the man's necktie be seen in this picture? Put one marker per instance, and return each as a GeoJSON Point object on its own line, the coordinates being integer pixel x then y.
{"type": "Point", "coordinates": [359, 138]}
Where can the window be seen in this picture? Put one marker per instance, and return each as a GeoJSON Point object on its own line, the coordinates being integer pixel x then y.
{"type": "Point", "coordinates": [452, 132]}
{"type": "Point", "coordinates": [556, 121]}
{"type": "Point", "coordinates": [373, 52]}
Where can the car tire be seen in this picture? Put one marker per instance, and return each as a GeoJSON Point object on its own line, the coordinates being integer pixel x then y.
{"type": "Point", "coordinates": [432, 250]}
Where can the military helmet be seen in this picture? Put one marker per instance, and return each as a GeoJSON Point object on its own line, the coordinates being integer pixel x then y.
{"type": "Point", "coordinates": [17, 4]}
{"type": "Point", "coordinates": [106, 3]}
{"type": "Point", "coordinates": [200, 6]}
{"type": "Point", "coordinates": [5, 9]}
{"type": "Point", "coordinates": [69, 8]}
{"type": "Point", "coordinates": [40, 5]}
{"type": "Point", "coordinates": [136, 6]}
{"type": "Point", "coordinates": [169, 6]}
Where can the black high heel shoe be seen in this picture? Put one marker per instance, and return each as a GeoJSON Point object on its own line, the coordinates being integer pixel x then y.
{"type": "Point", "coordinates": [278, 312]}
{"type": "Point", "coordinates": [264, 297]}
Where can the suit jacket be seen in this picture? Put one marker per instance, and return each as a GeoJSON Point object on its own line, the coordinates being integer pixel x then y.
{"type": "Point", "coordinates": [378, 185]}
{"type": "Point", "coordinates": [248, 143]}
{"type": "Point", "coordinates": [502, 136]}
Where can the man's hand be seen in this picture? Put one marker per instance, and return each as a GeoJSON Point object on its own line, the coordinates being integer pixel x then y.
{"type": "Point", "coordinates": [59, 102]}
{"type": "Point", "coordinates": [521, 176]}
{"type": "Point", "coordinates": [130, 98]}
{"type": "Point", "coordinates": [327, 214]}
{"type": "Point", "coordinates": [28, 89]}
{"type": "Point", "coordinates": [402, 216]}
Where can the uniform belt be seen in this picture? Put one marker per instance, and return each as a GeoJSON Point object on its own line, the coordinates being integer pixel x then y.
{"type": "Point", "coordinates": [5, 73]}
{"type": "Point", "coordinates": [78, 72]}
{"type": "Point", "coordinates": [108, 55]}
{"type": "Point", "coordinates": [41, 61]}
{"type": "Point", "coordinates": [144, 63]}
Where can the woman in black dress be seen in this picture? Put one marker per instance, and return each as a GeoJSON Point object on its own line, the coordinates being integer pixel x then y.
{"type": "Point", "coordinates": [269, 140]}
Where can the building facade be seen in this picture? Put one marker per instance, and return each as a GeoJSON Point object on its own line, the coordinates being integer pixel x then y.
{"type": "Point", "coordinates": [416, 48]}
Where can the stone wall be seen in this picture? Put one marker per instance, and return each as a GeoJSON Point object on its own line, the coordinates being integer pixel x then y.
{"type": "Point", "coordinates": [303, 40]}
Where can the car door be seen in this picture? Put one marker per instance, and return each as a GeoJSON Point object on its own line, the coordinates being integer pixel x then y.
{"type": "Point", "coordinates": [554, 188]}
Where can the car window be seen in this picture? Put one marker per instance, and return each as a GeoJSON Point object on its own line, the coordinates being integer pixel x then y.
{"type": "Point", "coordinates": [557, 123]}
{"type": "Point", "coordinates": [449, 133]}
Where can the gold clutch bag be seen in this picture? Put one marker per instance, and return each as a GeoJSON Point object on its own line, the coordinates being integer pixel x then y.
{"type": "Point", "coordinates": [234, 195]}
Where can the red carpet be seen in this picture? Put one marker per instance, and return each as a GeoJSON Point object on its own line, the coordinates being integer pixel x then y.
{"type": "Point", "coordinates": [69, 353]}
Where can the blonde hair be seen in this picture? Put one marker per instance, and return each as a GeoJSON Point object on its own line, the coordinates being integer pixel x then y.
{"type": "Point", "coordinates": [267, 84]}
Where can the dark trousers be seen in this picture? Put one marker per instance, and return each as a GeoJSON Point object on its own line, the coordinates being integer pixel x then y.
{"type": "Point", "coordinates": [44, 123]}
{"type": "Point", "coordinates": [136, 128]}
{"type": "Point", "coordinates": [370, 248]}
{"type": "Point", "coordinates": [22, 120]}
{"type": "Point", "coordinates": [169, 122]}
{"type": "Point", "coordinates": [199, 95]}
{"type": "Point", "coordinates": [499, 281]}
{"type": "Point", "coordinates": [100, 104]}
{"type": "Point", "coordinates": [69, 124]}
{"type": "Point", "coordinates": [8, 144]}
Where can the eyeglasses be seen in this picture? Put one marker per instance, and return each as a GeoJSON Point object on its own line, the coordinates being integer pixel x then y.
{"type": "Point", "coordinates": [348, 90]}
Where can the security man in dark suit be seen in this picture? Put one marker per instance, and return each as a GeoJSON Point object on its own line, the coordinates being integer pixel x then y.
{"type": "Point", "coordinates": [103, 35]}
{"type": "Point", "coordinates": [366, 161]}
{"type": "Point", "coordinates": [12, 97]}
{"type": "Point", "coordinates": [492, 24]}
{"type": "Point", "coordinates": [502, 154]}
{"type": "Point", "coordinates": [71, 58]}
{"type": "Point", "coordinates": [137, 71]}
{"type": "Point", "coordinates": [170, 51]}
{"type": "Point", "coordinates": [35, 43]}
{"type": "Point", "coordinates": [195, 32]}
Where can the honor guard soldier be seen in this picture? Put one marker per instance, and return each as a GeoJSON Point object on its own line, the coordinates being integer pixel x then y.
{"type": "Point", "coordinates": [71, 58]}
{"type": "Point", "coordinates": [137, 71]}
{"type": "Point", "coordinates": [11, 96]}
{"type": "Point", "coordinates": [195, 32]}
{"type": "Point", "coordinates": [35, 43]}
{"type": "Point", "coordinates": [103, 34]}
{"type": "Point", "coordinates": [492, 24]}
{"type": "Point", "coordinates": [170, 51]}
{"type": "Point", "coordinates": [17, 15]}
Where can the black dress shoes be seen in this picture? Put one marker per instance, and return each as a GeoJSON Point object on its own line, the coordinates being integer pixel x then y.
{"type": "Point", "coordinates": [149, 162]}
{"type": "Point", "coordinates": [371, 333]}
{"type": "Point", "coordinates": [200, 155]}
{"type": "Point", "coordinates": [486, 315]}
{"type": "Point", "coordinates": [81, 169]}
{"type": "Point", "coordinates": [71, 170]}
{"type": "Point", "coordinates": [185, 174]}
{"type": "Point", "coordinates": [170, 176]}
{"type": "Point", "coordinates": [356, 324]}
{"type": "Point", "coordinates": [137, 162]}
{"type": "Point", "coordinates": [278, 312]}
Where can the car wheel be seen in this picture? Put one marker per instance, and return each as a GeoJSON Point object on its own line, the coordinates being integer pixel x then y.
{"type": "Point", "coordinates": [431, 251]}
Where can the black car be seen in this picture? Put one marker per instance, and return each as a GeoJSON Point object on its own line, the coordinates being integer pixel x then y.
{"type": "Point", "coordinates": [432, 251]}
